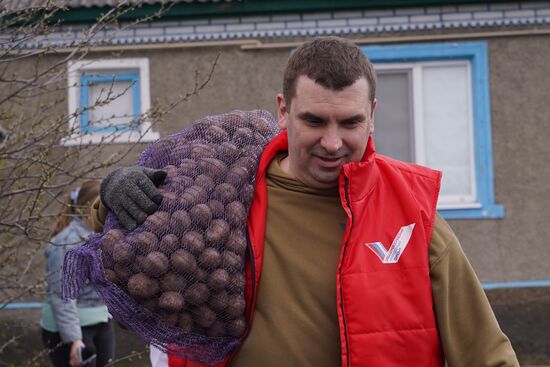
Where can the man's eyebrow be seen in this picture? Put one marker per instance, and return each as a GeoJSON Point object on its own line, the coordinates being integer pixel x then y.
{"type": "Point", "coordinates": [310, 116]}
{"type": "Point", "coordinates": [356, 118]}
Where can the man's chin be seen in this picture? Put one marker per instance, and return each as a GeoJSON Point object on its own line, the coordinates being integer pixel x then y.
{"type": "Point", "coordinates": [324, 181]}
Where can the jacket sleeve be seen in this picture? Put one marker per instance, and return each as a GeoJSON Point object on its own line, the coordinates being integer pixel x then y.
{"type": "Point", "coordinates": [469, 332]}
{"type": "Point", "coordinates": [99, 214]}
{"type": "Point", "coordinates": [64, 311]}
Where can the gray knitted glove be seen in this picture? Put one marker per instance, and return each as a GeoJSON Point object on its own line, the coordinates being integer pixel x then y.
{"type": "Point", "coordinates": [131, 194]}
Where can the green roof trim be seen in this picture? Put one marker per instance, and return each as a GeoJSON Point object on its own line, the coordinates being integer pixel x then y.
{"type": "Point", "coordinates": [251, 7]}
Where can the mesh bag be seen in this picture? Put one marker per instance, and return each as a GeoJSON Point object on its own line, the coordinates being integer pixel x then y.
{"type": "Point", "coordinates": [178, 279]}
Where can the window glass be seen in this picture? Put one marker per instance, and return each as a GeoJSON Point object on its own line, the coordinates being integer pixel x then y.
{"type": "Point", "coordinates": [113, 104]}
{"type": "Point", "coordinates": [447, 128]}
{"type": "Point", "coordinates": [393, 121]}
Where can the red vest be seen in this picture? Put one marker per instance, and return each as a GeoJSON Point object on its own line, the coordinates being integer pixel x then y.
{"type": "Point", "coordinates": [384, 296]}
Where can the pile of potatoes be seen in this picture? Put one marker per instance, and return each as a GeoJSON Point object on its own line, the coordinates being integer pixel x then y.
{"type": "Point", "coordinates": [185, 264]}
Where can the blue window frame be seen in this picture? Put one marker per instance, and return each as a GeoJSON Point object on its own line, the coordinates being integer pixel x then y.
{"type": "Point", "coordinates": [87, 81]}
{"type": "Point", "coordinates": [476, 54]}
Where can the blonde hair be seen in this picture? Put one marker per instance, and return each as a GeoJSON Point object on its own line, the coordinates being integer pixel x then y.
{"type": "Point", "coordinates": [76, 204]}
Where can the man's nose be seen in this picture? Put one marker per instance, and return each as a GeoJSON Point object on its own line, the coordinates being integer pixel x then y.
{"type": "Point", "coordinates": [331, 140]}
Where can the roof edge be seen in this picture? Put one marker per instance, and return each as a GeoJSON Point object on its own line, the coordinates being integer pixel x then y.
{"type": "Point", "coordinates": [248, 7]}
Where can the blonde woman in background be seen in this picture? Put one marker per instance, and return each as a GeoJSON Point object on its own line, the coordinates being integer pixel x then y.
{"type": "Point", "coordinates": [75, 330]}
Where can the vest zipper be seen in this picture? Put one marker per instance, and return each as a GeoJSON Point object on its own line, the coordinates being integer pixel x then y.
{"type": "Point", "coordinates": [348, 202]}
{"type": "Point", "coordinates": [253, 275]}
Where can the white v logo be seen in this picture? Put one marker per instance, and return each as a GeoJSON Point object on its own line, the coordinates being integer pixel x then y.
{"type": "Point", "coordinates": [400, 241]}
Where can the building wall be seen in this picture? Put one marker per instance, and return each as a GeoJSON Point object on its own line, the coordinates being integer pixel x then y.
{"type": "Point", "coordinates": [515, 248]}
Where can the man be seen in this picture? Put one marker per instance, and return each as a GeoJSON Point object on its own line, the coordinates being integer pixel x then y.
{"type": "Point", "coordinates": [332, 291]}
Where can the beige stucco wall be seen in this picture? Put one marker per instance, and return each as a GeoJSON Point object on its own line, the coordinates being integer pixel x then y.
{"type": "Point", "coordinates": [516, 247]}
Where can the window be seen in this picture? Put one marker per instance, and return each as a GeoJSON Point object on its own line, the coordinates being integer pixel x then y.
{"type": "Point", "coordinates": [433, 109]}
{"type": "Point", "coordinates": [107, 99]}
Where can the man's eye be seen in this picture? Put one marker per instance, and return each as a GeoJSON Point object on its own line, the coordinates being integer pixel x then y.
{"type": "Point", "coordinates": [352, 123]}
{"type": "Point", "coordinates": [313, 121]}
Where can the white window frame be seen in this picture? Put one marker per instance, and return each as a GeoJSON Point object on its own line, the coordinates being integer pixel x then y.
{"type": "Point", "coordinates": [416, 69]}
{"type": "Point", "coordinates": [75, 71]}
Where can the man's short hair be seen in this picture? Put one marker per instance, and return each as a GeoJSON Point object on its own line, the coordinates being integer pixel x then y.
{"type": "Point", "coordinates": [333, 62]}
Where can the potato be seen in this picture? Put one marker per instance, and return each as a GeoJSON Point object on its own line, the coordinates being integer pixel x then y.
{"type": "Point", "coordinates": [248, 163]}
{"type": "Point", "coordinates": [155, 264]}
{"type": "Point", "coordinates": [180, 183]}
{"type": "Point", "coordinates": [187, 167]}
{"type": "Point", "coordinates": [213, 167]}
{"type": "Point", "coordinates": [107, 260]}
{"type": "Point", "coordinates": [142, 286]}
{"type": "Point", "coordinates": [157, 222]}
{"type": "Point", "coordinates": [169, 200]}
{"type": "Point", "coordinates": [252, 150]}
{"type": "Point", "coordinates": [123, 253]}
{"type": "Point", "coordinates": [110, 239]}
{"type": "Point", "coordinates": [199, 151]}
{"type": "Point", "coordinates": [192, 196]}
{"type": "Point", "coordinates": [171, 301]}
{"type": "Point", "coordinates": [185, 322]}
{"type": "Point", "coordinates": [243, 136]}
{"type": "Point", "coordinates": [231, 261]}
{"type": "Point", "coordinates": [111, 276]}
{"type": "Point", "coordinates": [169, 318]}
{"type": "Point", "coordinates": [173, 282]}
{"type": "Point", "coordinates": [205, 182]}
{"type": "Point", "coordinates": [201, 215]}
{"type": "Point", "coordinates": [170, 170]}
{"type": "Point", "coordinates": [236, 283]}
{"type": "Point", "coordinates": [180, 220]}
{"type": "Point", "coordinates": [144, 242]}
{"type": "Point", "coordinates": [224, 192]}
{"type": "Point", "coordinates": [236, 242]}
{"type": "Point", "coordinates": [193, 242]}
{"type": "Point", "coordinates": [177, 149]}
{"type": "Point", "coordinates": [218, 279]}
{"type": "Point", "coordinates": [218, 301]}
{"type": "Point", "coordinates": [200, 275]}
{"type": "Point", "coordinates": [235, 306]}
{"type": "Point", "coordinates": [217, 232]}
{"type": "Point", "coordinates": [215, 134]}
{"type": "Point", "coordinates": [204, 316]}
{"type": "Point", "coordinates": [196, 294]}
{"type": "Point", "coordinates": [247, 192]}
{"type": "Point", "coordinates": [169, 243]}
{"type": "Point", "coordinates": [227, 151]}
{"type": "Point", "coordinates": [210, 258]}
{"type": "Point", "coordinates": [237, 176]}
{"type": "Point", "coordinates": [150, 304]}
{"type": "Point", "coordinates": [217, 208]}
{"type": "Point", "coordinates": [264, 128]}
{"type": "Point", "coordinates": [136, 266]}
{"type": "Point", "coordinates": [216, 329]}
{"type": "Point", "coordinates": [236, 214]}
{"type": "Point", "coordinates": [183, 261]}
{"type": "Point", "coordinates": [122, 272]}
{"type": "Point", "coordinates": [236, 327]}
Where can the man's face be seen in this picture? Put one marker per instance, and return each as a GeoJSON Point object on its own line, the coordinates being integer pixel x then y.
{"type": "Point", "coordinates": [326, 129]}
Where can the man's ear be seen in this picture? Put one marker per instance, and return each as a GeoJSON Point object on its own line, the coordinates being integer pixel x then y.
{"type": "Point", "coordinates": [373, 107]}
{"type": "Point", "coordinates": [281, 111]}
